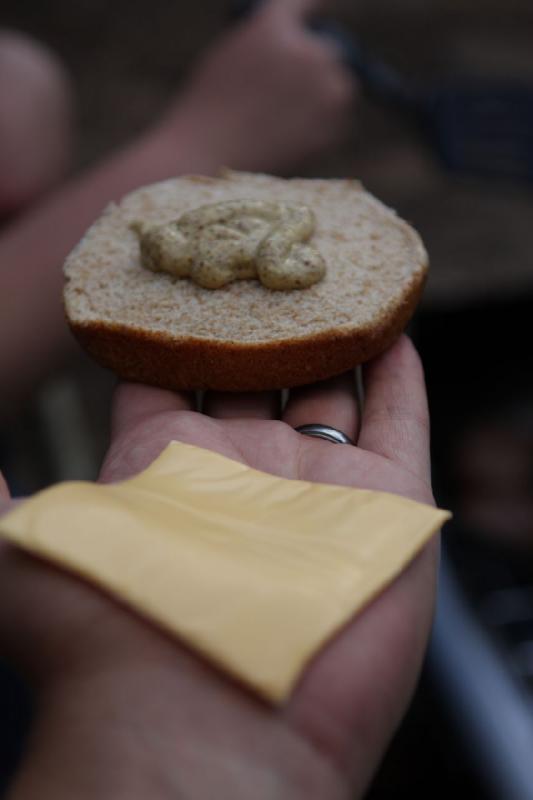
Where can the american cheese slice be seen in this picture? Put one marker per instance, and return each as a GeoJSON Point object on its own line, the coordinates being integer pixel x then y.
{"type": "Point", "coordinates": [254, 571]}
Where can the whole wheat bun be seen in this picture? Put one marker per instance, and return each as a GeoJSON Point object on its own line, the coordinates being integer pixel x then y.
{"type": "Point", "coordinates": [169, 332]}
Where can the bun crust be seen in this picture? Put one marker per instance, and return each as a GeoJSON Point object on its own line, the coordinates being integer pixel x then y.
{"type": "Point", "coordinates": [168, 332]}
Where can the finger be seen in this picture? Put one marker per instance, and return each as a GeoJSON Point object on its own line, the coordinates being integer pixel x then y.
{"type": "Point", "coordinates": [395, 421]}
{"type": "Point", "coordinates": [332, 402]}
{"type": "Point", "coordinates": [245, 405]}
{"type": "Point", "coordinates": [133, 403]}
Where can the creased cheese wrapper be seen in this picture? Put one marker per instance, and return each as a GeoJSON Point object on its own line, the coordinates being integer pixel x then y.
{"type": "Point", "coordinates": [253, 571]}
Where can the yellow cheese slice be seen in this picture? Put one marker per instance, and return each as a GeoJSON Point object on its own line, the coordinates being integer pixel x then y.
{"type": "Point", "coordinates": [254, 571]}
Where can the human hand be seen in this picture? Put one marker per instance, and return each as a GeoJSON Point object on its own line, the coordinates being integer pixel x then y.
{"type": "Point", "coordinates": [126, 710]}
{"type": "Point", "coordinates": [268, 95]}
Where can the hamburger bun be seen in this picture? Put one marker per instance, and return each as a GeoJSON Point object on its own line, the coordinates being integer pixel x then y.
{"type": "Point", "coordinates": [169, 332]}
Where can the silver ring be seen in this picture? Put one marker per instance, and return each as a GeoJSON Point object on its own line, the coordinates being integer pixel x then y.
{"type": "Point", "coordinates": [324, 432]}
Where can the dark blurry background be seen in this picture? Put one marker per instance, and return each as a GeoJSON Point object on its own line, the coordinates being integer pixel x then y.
{"type": "Point", "coordinates": [126, 59]}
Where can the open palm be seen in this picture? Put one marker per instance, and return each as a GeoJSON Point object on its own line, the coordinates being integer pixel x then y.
{"type": "Point", "coordinates": [327, 740]}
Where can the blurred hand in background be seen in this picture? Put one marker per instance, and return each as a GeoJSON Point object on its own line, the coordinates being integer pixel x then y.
{"type": "Point", "coordinates": [269, 94]}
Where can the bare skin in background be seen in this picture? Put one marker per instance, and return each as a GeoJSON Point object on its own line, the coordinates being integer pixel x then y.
{"type": "Point", "coordinates": [35, 121]}
{"type": "Point", "coordinates": [124, 711]}
{"type": "Point", "coordinates": [267, 95]}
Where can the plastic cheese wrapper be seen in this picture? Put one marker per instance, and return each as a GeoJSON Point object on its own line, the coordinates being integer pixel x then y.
{"type": "Point", "coordinates": [253, 571]}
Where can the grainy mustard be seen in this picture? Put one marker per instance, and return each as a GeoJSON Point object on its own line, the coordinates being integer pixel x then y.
{"type": "Point", "coordinates": [219, 243]}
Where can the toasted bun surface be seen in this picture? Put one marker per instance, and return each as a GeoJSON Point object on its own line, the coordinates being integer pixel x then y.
{"type": "Point", "coordinates": [169, 332]}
